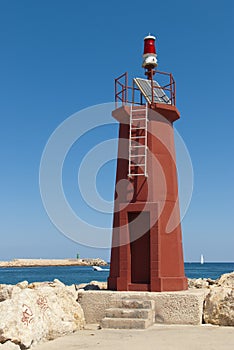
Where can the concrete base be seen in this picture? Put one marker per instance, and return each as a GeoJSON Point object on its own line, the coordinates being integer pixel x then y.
{"type": "Point", "coordinates": [184, 307]}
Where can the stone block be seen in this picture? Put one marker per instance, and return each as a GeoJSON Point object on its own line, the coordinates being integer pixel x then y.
{"type": "Point", "coordinates": [183, 307]}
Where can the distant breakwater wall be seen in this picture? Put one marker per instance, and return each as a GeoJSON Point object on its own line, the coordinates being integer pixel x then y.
{"type": "Point", "coordinates": [53, 262]}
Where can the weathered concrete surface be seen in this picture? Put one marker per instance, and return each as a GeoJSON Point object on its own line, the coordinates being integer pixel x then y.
{"type": "Point", "coordinates": [126, 323]}
{"type": "Point", "coordinates": [184, 307]}
{"type": "Point", "coordinates": [157, 337]}
{"type": "Point", "coordinates": [130, 314]}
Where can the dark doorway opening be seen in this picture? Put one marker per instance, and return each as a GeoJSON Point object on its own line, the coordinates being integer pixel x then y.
{"type": "Point", "coordinates": [139, 230]}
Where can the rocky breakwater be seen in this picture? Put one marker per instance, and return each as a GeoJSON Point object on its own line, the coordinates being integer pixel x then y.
{"type": "Point", "coordinates": [53, 262]}
{"type": "Point", "coordinates": [36, 312]}
{"type": "Point", "coordinates": [219, 300]}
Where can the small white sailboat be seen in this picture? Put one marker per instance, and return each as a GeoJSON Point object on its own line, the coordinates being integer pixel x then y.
{"type": "Point", "coordinates": [202, 259]}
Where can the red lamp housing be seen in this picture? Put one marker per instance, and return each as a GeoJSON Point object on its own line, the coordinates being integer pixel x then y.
{"type": "Point", "coordinates": [149, 45]}
{"type": "Point", "coordinates": [149, 55]}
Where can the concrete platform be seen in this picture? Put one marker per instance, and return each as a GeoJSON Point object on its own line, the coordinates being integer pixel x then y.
{"type": "Point", "coordinates": [184, 307]}
{"type": "Point", "coordinates": [158, 337]}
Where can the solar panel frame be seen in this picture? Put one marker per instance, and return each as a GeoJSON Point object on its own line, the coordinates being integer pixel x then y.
{"type": "Point", "coordinates": [145, 87]}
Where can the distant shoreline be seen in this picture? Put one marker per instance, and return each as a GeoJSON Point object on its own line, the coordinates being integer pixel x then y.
{"type": "Point", "coordinates": [52, 262]}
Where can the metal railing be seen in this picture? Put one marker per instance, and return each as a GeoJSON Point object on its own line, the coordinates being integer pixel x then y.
{"type": "Point", "coordinates": [126, 94]}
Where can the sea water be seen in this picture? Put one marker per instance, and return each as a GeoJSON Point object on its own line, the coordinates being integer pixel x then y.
{"type": "Point", "coordinates": [84, 274]}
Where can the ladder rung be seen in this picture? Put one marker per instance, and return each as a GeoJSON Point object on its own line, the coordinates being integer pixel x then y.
{"type": "Point", "coordinates": [139, 164]}
{"type": "Point", "coordinates": [137, 155]}
{"type": "Point", "coordinates": [138, 121]}
{"type": "Point", "coordinates": [139, 137]}
{"type": "Point", "coordinates": [142, 128]}
{"type": "Point", "coordinates": [138, 146]}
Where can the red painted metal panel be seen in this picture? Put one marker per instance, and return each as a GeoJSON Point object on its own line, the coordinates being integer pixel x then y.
{"type": "Point", "coordinates": [164, 266]}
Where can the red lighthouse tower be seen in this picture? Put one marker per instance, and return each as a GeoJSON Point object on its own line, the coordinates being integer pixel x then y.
{"type": "Point", "coordinates": [147, 252]}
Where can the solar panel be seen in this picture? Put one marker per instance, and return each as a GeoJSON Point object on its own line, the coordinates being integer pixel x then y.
{"type": "Point", "coordinates": [144, 86]}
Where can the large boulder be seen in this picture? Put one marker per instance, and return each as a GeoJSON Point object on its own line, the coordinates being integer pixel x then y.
{"type": "Point", "coordinates": [93, 285]}
{"type": "Point", "coordinates": [198, 283]}
{"type": "Point", "coordinates": [219, 306]}
{"type": "Point", "coordinates": [227, 280]}
{"type": "Point", "coordinates": [43, 312]}
{"type": "Point", "coordinates": [9, 346]}
{"type": "Point", "coordinates": [5, 291]}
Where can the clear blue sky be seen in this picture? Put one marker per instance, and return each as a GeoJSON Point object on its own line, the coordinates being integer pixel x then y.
{"type": "Point", "coordinates": [58, 57]}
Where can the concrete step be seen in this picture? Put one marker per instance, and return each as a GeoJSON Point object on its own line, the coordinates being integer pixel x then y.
{"type": "Point", "coordinates": [125, 323]}
{"type": "Point", "coordinates": [136, 304]}
{"type": "Point", "coordinates": [129, 313]}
